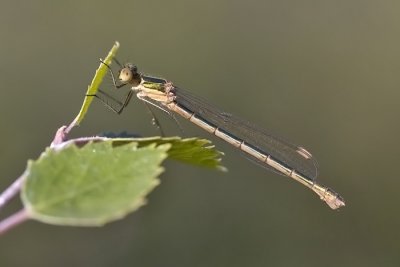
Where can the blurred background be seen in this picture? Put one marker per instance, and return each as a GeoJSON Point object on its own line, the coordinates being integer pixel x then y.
{"type": "Point", "coordinates": [323, 74]}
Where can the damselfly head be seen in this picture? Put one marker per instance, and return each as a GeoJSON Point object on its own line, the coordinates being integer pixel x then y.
{"type": "Point", "coordinates": [128, 73]}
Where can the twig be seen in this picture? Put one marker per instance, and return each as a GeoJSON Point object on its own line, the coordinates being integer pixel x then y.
{"type": "Point", "coordinates": [15, 188]}
{"type": "Point", "coordinates": [14, 220]}
{"type": "Point", "coordinates": [12, 190]}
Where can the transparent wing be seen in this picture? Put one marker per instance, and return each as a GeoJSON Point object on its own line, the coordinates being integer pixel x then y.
{"type": "Point", "coordinates": [293, 156]}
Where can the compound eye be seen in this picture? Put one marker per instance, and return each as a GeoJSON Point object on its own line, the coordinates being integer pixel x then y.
{"type": "Point", "coordinates": [125, 75]}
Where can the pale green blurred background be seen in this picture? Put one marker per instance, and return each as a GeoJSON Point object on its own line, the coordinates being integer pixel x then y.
{"type": "Point", "coordinates": [323, 74]}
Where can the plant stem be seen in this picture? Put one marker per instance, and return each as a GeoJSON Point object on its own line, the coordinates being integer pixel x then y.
{"type": "Point", "coordinates": [14, 220]}
{"type": "Point", "coordinates": [12, 190]}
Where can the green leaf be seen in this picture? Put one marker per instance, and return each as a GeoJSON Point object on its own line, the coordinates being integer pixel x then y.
{"type": "Point", "coordinates": [94, 86]}
{"type": "Point", "coordinates": [104, 179]}
{"type": "Point", "coordinates": [92, 185]}
{"type": "Point", "coordinates": [195, 151]}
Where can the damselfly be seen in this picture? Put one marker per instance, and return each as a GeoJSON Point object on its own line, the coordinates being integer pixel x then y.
{"type": "Point", "coordinates": [256, 143]}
